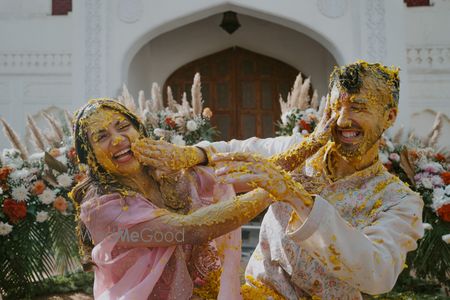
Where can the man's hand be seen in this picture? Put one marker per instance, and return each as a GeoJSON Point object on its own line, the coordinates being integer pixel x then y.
{"type": "Point", "coordinates": [247, 169]}
{"type": "Point", "coordinates": [297, 155]}
{"type": "Point", "coordinates": [165, 156]}
{"type": "Point", "coordinates": [322, 132]}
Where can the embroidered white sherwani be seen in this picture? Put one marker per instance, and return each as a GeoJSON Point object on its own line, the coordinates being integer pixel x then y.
{"type": "Point", "coordinates": [354, 240]}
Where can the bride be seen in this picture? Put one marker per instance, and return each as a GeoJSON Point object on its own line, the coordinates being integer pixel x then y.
{"type": "Point", "coordinates": [154, 236]}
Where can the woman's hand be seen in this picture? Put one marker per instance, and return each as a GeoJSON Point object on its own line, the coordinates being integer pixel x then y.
{"type": "Point", "coordinates": [246, 169]}
{"type": "Point", "coordinates": [165, 156]}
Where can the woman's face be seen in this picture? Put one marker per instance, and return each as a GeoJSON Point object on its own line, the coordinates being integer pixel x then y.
{"type": "Point", "coordinates": [111, 134]}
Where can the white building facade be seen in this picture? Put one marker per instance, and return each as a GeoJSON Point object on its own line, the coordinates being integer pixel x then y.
{"type": "Point", "coordinates": [62, 60]}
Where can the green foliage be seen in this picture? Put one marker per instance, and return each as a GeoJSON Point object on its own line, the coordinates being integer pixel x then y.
{"type": "Point", "coordinates": [297, 120]}
{"type": "Point", "coordinates": [431, 260]}
{"type": "Point", "coordinates": [174, 128]}
{"type": "Point", "coordinates": [75, 282]}
{"type": "Point", "coordinates": [34, 251]}
{"type": "Point", "coordinates": [24, 258]}
{"type": "Point", "coordinates": [409, 287]}
{"type": "Point", "coordinates": [64, 242]}
{"type": "Point", "coordinates": [205, 132]}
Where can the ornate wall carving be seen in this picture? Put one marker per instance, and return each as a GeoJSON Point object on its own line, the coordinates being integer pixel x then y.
{"type": "Point", "coordinates": [428, 57]}
{"type": "Point", "coordinates": [332, 8]}
{"type": "Point", "coordinates": [376, 30]}
{"type": "Point", "coordinates": [95, 52]}
{"type": "Point", "coordinates": [130, 11]}
{"type": "Point", "coordinates": [35, 62]}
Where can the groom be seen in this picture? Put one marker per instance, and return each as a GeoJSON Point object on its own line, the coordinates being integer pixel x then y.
{"type": "Point", "coordinates": [350, 231]}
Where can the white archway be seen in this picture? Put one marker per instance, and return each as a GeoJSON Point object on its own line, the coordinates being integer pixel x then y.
{"type": "Point", "coordinates": [257, 12]}
{"type": "Point", "coordinates": [157, 59]}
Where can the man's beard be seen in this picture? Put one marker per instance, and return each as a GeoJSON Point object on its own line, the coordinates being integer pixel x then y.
{"type": "Point", "coordinates": [360, 149]}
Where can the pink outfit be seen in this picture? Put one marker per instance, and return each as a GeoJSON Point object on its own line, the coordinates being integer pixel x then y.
{"type": "Point", "coordinates": [158, 272]}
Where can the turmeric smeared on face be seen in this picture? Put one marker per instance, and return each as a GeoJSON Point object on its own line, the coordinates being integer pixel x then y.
{"type": "Point", "coordinates": [364, 100]}
{"type": "Point", "coordinates": [111, 135]}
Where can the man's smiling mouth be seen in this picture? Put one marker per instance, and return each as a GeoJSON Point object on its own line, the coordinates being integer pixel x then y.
{"type": "Point", "coordinates": [349, 136]}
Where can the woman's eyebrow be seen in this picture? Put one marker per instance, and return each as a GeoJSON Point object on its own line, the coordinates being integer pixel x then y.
{"type": "Point", "coordinates": [97, 132]}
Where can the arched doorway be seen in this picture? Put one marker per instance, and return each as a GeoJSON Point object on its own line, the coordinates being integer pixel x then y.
{"type": "Point", "coordinates": [241, 87]}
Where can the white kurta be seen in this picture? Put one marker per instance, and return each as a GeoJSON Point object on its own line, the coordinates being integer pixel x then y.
{"type": "Point", "coordinates": [354, 240]}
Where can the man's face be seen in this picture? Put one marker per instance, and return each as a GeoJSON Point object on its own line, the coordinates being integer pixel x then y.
{"type": "Point", "coordinates": [361, 119]}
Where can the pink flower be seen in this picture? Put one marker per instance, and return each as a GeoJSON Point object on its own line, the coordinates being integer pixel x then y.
{"type": "Point", "coordinates": [436, 180]}
{"type": "Point", "coordinates": [433, 167]}
{"type": "Point", "coordinates": [422, 175]}
{"type": "Point", "coordinates": [418, 177]}
{"type": "Point", "coordinates": [394, 157]}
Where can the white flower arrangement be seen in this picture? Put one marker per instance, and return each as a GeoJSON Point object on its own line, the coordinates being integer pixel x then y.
{"type": "Point", "coordinates": [299, 113]}
{"type": "Point", "coordinates": [11, 158]}
{"type": "Point", "coordinates": [394, 157]}
{"type": "Point", "coordinates": [191, 125]}
{"type": "Point", "coordinates": [183, 124]}
{"type": "Point", "coordinates": [64, 180]}
{"type": "Point", "coordinates": [178, 140]}
{"type": "Point", "coordinates": [48, 196]}
{"type": "Point", "coordinates": [54, 166]}
{"type": "Point", "coordinates": [446, 238]}
{"type": "Point", "coordinates": [5, 228]}
{"type": "Point", "coordinates": [41, 216]}
{"type": "Point", "coordinates": [62, 159]}
{"type": "Point", "coordinates": [441, 197]}
{"type": "Point", "coordinates": [20, 193]}
{"type": "Point", "coordinates": [427, 226]}
{"type": "Point", "coordinates": [427, 172]}
{"type": "Point", "coordinates": [20, 174]}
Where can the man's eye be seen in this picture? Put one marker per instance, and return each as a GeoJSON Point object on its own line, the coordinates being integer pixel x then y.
{"type": "Point", "coordinates": [358, 108]}
{"type": "Point", "coordinates": [124, 125]}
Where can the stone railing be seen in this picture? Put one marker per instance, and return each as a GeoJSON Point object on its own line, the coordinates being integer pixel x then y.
{"type": "Point", "coordinates": [35, 62]}
{"type": "Point", "coordinates": [428, 57]}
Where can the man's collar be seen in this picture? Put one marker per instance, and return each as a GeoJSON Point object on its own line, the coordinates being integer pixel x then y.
{"type": "Point", "coordinates": [320, 162]}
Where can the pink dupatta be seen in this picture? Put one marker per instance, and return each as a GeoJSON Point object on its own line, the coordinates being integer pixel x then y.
{"type": "Point", "coordinates": [136, 273]}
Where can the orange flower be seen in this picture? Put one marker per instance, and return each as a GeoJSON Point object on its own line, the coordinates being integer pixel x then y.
{"type": "Point", "coordinates": [207, 113]}
{"type": "Point", "coordinates": [15, 211]}
{"type": "Point", "coordinates": [79, 177]}
{"type": "Point", "coordinates": [388, 165]}
{"type": "Point", "coordinates": [413, 154]}
{"type": "Point", "coordinates": [444, 212]}
{"type": "Point", "coordinates": [4, 172]}
{"type": "Point", "coordinates": [60, 204]}
{"type": "Point", "coordinates": [55, 152]}
{"type": "Point", "coordinates": [169, 121]}
{"type": "Point", "coordinates": [446, 177]}
{"type": "Point", "coordinates": [72, 154]}
{"type": "Point", "coordinates": [4, 187]}
{"type": "Point", "coordinates": [440, 157]}
{"type": "Point", "coordinates": [38, 188]}
{"type": "Point", "coordinates": [304, 125]}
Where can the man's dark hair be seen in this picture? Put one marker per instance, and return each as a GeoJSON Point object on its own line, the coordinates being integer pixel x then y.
{"type": "Point", "coordinates": [350, 77]}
